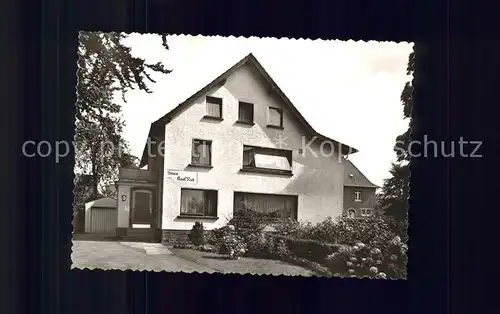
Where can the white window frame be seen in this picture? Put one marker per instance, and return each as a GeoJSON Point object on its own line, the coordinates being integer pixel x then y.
{"type": "Point", "coordinates": [357, 196]}
{"type": "Point", "coordinates": [366, 212]}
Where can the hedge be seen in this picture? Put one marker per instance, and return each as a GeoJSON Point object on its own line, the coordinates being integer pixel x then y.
{"type": "Point", "coordinates": [312, 250]}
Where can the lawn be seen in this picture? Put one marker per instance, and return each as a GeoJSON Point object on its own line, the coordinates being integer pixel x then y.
{"type": "Point", "coordinates": [244, 265]}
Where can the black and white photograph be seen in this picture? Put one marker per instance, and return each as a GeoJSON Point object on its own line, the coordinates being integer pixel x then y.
{"type": "Point", "coordinates": [237, 155]}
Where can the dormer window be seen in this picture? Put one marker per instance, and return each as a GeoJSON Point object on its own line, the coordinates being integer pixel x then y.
{"type": "Point", "coordinates": [357, 196]}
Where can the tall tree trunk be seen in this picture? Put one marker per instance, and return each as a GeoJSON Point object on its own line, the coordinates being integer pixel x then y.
{"type": "Point", "coordinates": [95, 179]}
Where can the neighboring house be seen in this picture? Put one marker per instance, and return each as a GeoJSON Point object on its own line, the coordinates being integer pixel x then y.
{"type": "Point", "coordinates": [101, 215]}
{"type": "Point", "coordinates": [359, 192]}
{"type": "Point", "coordinates": [237, 141]}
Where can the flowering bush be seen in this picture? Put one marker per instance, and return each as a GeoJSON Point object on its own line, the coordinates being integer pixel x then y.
{"type": "Point", "coordinates": [262, 245]}
{"type": "Point", "coordinates": [248, 219]}
{"type": "Point", "coordinates": [233, 246]}
{"type": "Point", "coordinates": [325, 231]}
{"type": "Point", "coordinates": [215, 237]}
{"type": "Point", "coordinates": [373, 230]}
{"type": "Point", "coordinates": [292, 228]}
{"type": "Point", "coordinates": [360, 260]}
{"type": "Point", "coordinates": [280, 248]}
{"type": "Point", "coordinates": [258, 244]}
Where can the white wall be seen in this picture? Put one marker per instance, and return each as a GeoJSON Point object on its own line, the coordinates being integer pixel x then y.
{"type": "Point", "coordinates": [317, 180]}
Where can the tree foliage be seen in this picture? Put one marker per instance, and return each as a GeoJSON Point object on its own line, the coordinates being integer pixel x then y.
{"type": "Point", "coordinates": [98, 147]}
{"type": "Point", "coordinates": [393, 199]}
{"type": "Point", "coordinates": [82, 193]}
{"type": "Point", "coordinates": [104, 61]}
{"type": "Point", "coordinates": [106, 67]}
{"type": "Point", "coordinates": [394, 196]}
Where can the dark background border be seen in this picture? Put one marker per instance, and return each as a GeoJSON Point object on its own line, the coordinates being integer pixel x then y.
{"type": "Point", "coordinates": [41, 63]}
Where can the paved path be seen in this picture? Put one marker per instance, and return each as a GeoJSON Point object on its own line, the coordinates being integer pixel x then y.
{"type": "Point", "coordinates": [133, 256]}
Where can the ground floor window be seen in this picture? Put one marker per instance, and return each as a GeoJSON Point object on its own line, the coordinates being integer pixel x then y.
{"type": "Point", "coordinates": [351, 213]}
{"type": "Point", "coordinates": [366, 212]}
{"type": "Point", "coordinates": [198, 202]}
{"type": "Point", "coordinates": [277, 206]}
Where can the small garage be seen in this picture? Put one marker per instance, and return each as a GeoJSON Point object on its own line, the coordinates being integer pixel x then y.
{"type": "Point", "coordinates": [101, 216]}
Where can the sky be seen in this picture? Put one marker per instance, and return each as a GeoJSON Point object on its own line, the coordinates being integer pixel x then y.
{"type": "Point", "coordinates": [349, 91]}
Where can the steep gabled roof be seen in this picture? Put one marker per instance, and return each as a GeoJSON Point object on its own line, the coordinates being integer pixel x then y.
{"type": "Point", "coordinates": [220, 80]}
{"type": "Point", "coordinates": [354, 177]}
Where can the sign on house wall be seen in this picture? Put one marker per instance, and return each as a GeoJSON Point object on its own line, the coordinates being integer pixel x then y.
{"type": "Point", "coordinates": [181, 176]}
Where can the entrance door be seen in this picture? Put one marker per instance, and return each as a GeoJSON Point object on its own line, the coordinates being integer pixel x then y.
{"type": "Point", "coordinates": [142, 207]}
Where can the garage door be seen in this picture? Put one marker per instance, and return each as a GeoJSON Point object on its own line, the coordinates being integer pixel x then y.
{"type": "Point", "coordinates": [103, 219]}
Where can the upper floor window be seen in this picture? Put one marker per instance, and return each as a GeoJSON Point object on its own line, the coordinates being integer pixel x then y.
{"type": "Point", "coordinates": [245, 112]}
{"type": "Point", "coordinates": [267, 159]}
{"type": "Point", "coordinates": [214, 107]}
{"type": "Point", "coordinates": [201, 153]}
{"type": "Point", "coordinates": [357, 196]}
{"type": "Point", "coordinates": [275, 117]}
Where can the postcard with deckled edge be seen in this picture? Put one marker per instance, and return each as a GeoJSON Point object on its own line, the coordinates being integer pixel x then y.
{"type": "Point", "coordinates": [242, 155]}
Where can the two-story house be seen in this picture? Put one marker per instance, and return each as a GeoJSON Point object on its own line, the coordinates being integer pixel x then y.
{"type": "Point", "coordinates": [359, 192]}
{"type": "Point", "coordinates": [239, 141]}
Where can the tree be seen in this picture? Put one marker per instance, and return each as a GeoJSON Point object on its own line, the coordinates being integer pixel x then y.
{"type": "Point", "coordinates": [393, 199]}
{"type": "Point", "coordinates": [394, 196]}
{"type": "Point", "coordinates": [101, 150]}
{"type": "Point", "coordinates": [82, 193]}
{"type": "Point", "coordinates": [103, 60]}
{"type": "Point", "coordinates": [106, 67]}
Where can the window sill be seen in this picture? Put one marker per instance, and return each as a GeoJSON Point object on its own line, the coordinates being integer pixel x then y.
{"type": "Point", "coordinates": [197, 217]}
{"type": "Point", "coordinates": [245, 122]}
{"type": "Point", "coordinates": [358, 201]}
{"type": "Point", "coordinates": [287, 173]}
{"type": "Point", "coordinates": [271, 126]}
{"type": "Point", "coordinates": [213, 118]}
{"type": "Point", "coordinates": [200, 166]}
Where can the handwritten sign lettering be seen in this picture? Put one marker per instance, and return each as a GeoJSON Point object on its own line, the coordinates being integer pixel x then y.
{"type": "Point", "coordinates": [181, 176]}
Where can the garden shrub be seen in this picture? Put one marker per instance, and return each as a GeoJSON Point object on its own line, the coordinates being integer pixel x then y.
{"type": "Point", "coordinates": [361, 260]}
{"type": "Point", "coordinates": [232, 244]}
{"type": "Point", "coordinates": [216, 235]}
{"type": "Point", "coordinates": [207, 248]}
{"type": "Point", "coordinates": [262, 245]}
{"type": "Point", "coordinates": [325, 231]}
{"type": "Point", "coordinates": [257, 245]}
{"type": "Point", "coordinates": [280, 248]}
{"type": "Point", "coordinates": [196, 235]}
{"type": "Point", "coordinates": [312, 250]}
{"type": "Point", "coordinates": [374, 231]}
{"type": "Point", "coordinates": [292, 228]}
{"type": "Point", "coordinates": [248, 219]}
